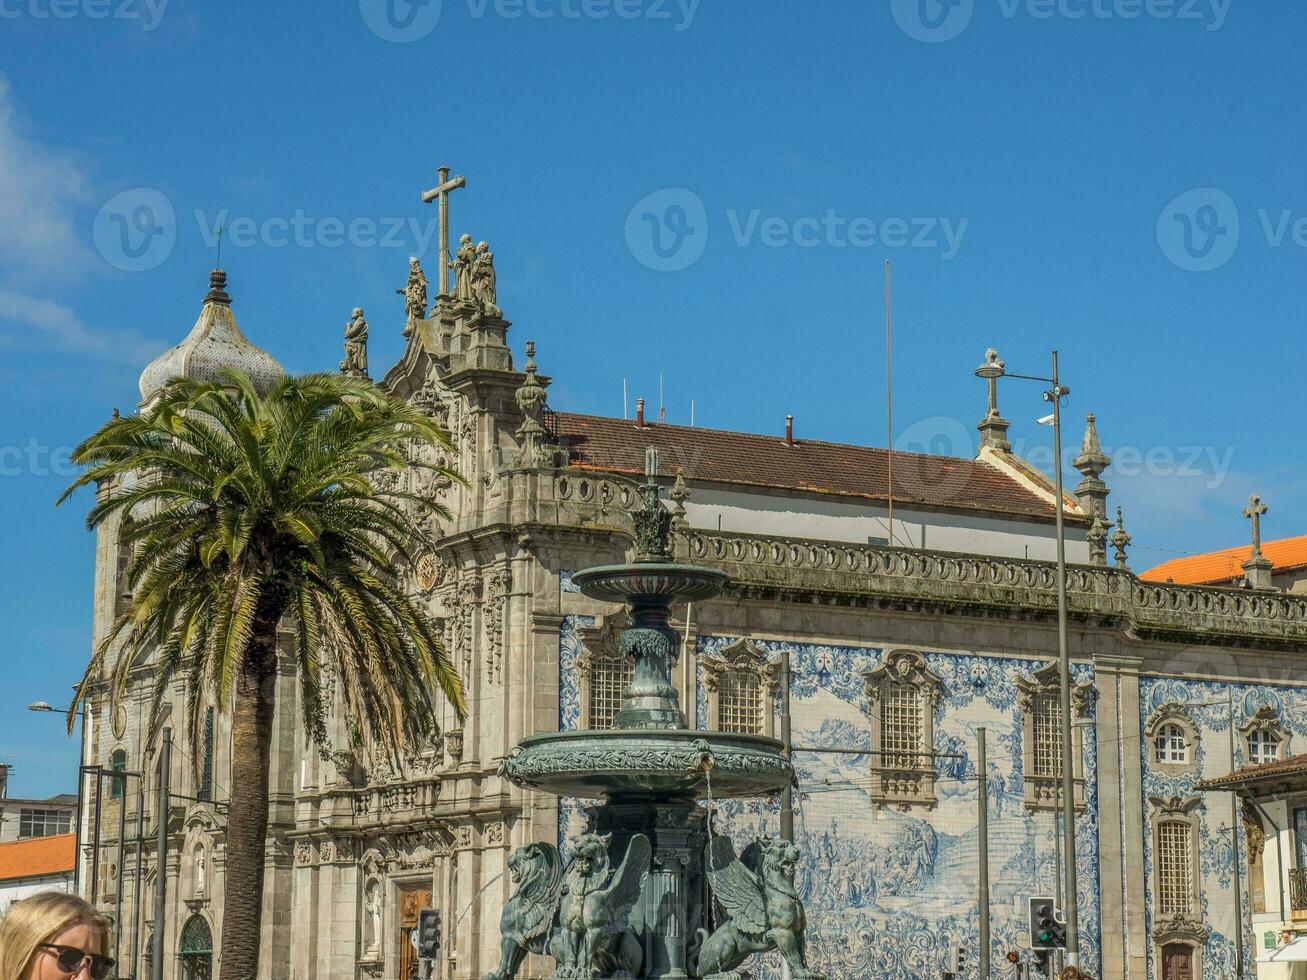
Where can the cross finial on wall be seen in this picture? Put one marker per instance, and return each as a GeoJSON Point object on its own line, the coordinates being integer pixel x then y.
{"type": "Point", "coordinates": [1254, 511]}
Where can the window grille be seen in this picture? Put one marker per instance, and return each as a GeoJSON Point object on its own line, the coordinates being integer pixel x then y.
{"type": "Point", "coordinates": [1172, 746]}
{"type": "Point", "coordinates": [1048, 737]}
{"type": "Point", "coordinates": [739, 702]}
{"type": "Point", "coordinates": [1263, 746]}
{"type": "Point", "coordinates": [1174, 868]}
{"type": "Point", "coordinates": [43, 823]}
{"type": "Point", "coordinates": [609, 679]}
{"type": "Point", "coordinates": [902, 735]}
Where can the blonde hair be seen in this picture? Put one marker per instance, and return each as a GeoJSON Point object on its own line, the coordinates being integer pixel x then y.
{"type": "Point", "coordinates": [1074, 973]}
{"type": "Point", "coordinates": [39, 919]}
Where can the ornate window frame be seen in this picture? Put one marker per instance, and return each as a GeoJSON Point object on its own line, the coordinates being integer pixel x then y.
{"type": "Point", "coordinates": [1178, 715]}
{"type": "Point", "coordinates": [1265, 721]}
{"type": "Point", "coordinates": [601, 651]}
{"type": "Point", "coordinates": [1043, 791]}
{"type": "Point", "coordinates": [742, 657]}
{"type": "Point", "coordinates": [903, 780]}
{"type": "Point", "coordinates": [1184, 928]}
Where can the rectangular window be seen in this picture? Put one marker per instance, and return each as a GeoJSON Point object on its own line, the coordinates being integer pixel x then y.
{"type": "Point", "coordinates": [1174, 868]}
{"type": "Point", "coordinates": [43, 823]}
{"type": "Point", "coordinates": [901, 728]}
{"type": "Point", "coordinates": [739, 702]}
{"type": "Point", "coordinates": [205, 790]}
{"type": "Point", "coordinates": [1048, 738]}
{"type": "Point", "coordinates": [609, 680]}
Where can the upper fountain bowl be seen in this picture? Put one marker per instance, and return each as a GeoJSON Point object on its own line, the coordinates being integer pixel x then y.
{"type": "Point", "coordinates": [650, 580]}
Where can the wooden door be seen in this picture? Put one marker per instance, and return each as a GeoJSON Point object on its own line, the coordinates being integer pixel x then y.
{"type": "Point", "coordinates": [1177, 962]}
{"type": "Point", "coordinates": [412, 900]}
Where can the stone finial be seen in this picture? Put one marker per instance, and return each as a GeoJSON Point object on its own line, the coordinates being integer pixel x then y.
{"type": "Point", "coordinates": [993, 427]}
{"type": "Point", "coordinates": [1120, 541]}
{"type": "Point", "coordinates": [1092, 491]}
{"type": "Point", "coordinates": [218, 288]}
{"type": "Point", "coordinates": [531, 396]}
{"type": "Point", "coordinates": [679, 494]}
{"type": "Point", "coordinates": [1258, 568]}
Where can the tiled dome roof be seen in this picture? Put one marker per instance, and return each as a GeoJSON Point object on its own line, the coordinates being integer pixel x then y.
{"type": "Point", "coordinates": [214, 343]}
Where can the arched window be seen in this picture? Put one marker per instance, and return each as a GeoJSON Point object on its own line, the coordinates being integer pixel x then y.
{"type": "Point", "coordinates": [1171, 744]}
{"type": "Point", "coordinates": [117, 763]}
{"type": "Point", "coordinates": [1263, 746]}
{"type": "Point", "coordinates": [195, 950]}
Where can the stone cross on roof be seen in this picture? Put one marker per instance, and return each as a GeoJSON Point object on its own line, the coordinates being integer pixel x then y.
{"type": "Point", "coordinates": [440, 193]}
{"type": "Point", "coordinates": [1254, 511]}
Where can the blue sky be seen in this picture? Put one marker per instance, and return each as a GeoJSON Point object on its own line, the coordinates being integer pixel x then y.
{"type": "Point", "coordinates": [1118, 178]}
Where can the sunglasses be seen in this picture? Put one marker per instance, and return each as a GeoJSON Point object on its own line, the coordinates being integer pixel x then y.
{"type": "Point", "coordinates": [70, 959]}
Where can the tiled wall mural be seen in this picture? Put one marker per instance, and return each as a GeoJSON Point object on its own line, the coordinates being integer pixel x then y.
{"type": "Point", "coordinates": [887, 890]}
{"type": "Point", "coordinates": [1205, 703]}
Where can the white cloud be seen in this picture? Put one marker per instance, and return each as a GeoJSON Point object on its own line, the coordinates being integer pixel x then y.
{"type": "Point", "coordinates": [40, 193]}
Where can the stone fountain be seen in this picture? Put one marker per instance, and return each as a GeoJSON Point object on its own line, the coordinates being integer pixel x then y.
{"type": "Point", "coordinates": [634, 900]}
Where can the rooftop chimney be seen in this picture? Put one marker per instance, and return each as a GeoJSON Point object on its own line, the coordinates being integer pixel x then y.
{"type": "Point", "coordinates": [639, 413]}
{"type": "Point", "coordinates": [789, 430]}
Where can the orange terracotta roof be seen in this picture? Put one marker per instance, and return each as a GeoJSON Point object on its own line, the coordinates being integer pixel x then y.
{"type": "Point", "coordinates": [747, 460]}
{"type": "Point", "coordinates": [1293, 766]}
{"type": "Point", "coordinates": [1216, 567]}
{"type": "Point", "coordinates": [38, 857]}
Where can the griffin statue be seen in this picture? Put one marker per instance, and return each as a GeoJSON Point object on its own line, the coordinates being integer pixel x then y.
{"type": "Point", "coordinates": [757, 893]}
{"type": "Point", "coordinates": [579, 915]}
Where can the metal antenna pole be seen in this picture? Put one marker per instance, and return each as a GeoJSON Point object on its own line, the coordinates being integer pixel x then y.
{"type": "Point", "coordinates": [95, 854]}
{"type": "Point", "coordinates": [982, 814]}
{"type": "Point", "coordinates": [1064, 676]}
{"type": "Point", "coordinates": [161, 855]}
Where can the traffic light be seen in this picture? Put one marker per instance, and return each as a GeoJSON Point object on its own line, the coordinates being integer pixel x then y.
{"type": "Point", "coordinates": [957, 959]}
{"type": "Point", "coordinates": [1047, 931]}
{"type": "Point", "coordinates": [428, 934]}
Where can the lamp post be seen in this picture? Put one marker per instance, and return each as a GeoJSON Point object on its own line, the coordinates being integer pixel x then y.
{"type": "Point", "coordinates": [991, 370]}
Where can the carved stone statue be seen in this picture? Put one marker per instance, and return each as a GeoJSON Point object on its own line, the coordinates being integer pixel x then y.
{"type": "Point", "coordinates": [528, 919]}
{"type": "Point", "coordinates": [579, 915]}
{"type": "Point", "coordinates": [415, 295]}
{"type": "Point", "coordinates": [200, 876]}
{"type": "Point", "coordinates": [595, 938]}
{"type": "Point", "coordinates": [483, 279]}
{"type": "Point", "coordinates": [463, 266]}
{"type": "Point", "coordinates": [372, 924]}
{"type": "Point", "coordinates": [758, 893]}
{"type": "Point", "coordinates": [356, 346]}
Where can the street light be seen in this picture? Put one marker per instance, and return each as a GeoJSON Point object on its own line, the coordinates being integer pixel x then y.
{"type": "Point", "coordinates": [991, 370]}
{"type": "Point", "coordinates": [40, 706]}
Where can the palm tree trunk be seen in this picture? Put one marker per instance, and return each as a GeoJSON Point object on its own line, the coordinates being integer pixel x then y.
{"type": "Point", "coordinates": [247, 815]}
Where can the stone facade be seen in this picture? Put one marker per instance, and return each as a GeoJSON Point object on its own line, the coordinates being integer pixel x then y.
{"type": "Point", "coordinates": [355, 849]}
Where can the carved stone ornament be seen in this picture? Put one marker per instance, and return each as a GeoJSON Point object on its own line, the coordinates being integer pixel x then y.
{"type": "Point", "coordinates": [356, 346]}
{"type": "Point", "coordinates": [429, 572]}
{"type": "Point", "coordinates": [498, 584]}
{"type": "Point", "coordinates": [1180, 929]}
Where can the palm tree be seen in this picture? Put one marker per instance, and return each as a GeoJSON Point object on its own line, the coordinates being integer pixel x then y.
{"type": "Point", "coordinates": [253, 512]}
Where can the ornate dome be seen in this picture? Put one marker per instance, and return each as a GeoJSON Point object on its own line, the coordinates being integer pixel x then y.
{"type": "Point", "coordinates": [214, 343]}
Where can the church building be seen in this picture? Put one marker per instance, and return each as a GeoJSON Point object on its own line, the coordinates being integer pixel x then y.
{"type": "Point", "coordinates": [902, 639]}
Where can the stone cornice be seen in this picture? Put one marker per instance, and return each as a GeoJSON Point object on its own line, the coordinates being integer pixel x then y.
{"type": "Point", "coordinates": [795, 569]}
